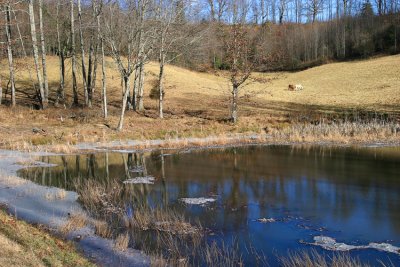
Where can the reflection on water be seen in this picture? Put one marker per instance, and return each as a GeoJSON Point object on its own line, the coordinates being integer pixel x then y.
{"type": "Point", "coordinates": [351, 194]}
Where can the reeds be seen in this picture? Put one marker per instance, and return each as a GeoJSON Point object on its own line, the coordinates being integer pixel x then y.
{"type": "Point", "coordinates": [102, 229]}
{"type": "Point", "coordinates": [315, 259]}
{"type": "Point", "coordinates": [163, 220]}
{"type": "Point", "coordinates": [77, 220]}
{"type": "Point", "coordinates": [339, 132]}
{"type": "Point", "coordinates": [121, 243]}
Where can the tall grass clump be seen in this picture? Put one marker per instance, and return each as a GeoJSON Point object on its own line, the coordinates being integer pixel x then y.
{"type": "Point", "coordinates": [315, 259]}
{"type": "Point", "coordinates": [358, 127]}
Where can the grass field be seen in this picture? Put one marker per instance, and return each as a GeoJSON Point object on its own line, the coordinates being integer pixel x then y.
{"type": "Point", "coordinates": [197, 104]}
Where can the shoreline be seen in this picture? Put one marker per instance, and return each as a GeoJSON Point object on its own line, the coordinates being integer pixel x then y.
{"type": "Point", "coordinates": [197, 143]}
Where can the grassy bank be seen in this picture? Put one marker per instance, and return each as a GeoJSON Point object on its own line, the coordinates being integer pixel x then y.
{"type": "Point", "coordinates": [25, 245]}
{"type": "Point", "coordinates": [45, 133]}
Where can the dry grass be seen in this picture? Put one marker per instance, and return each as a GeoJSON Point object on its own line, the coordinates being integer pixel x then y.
{"type": "Point", "coordinates": [99, 198]}
{"type": "Point", "coordinates": [24, 245]}
{"type": "Point", "coordinates": [163, 220]}
{"type": "Point", "coordinates": [315, 259]}
{"type": "Point", "coordinates": [221, 255]}
{"type": "Point", "coordinates": [77, 220]}
{"type": "Point", "coordinates": [102, 229]}
{"type": "Point", "coordinates": [339, 132]}
{"type": "Point", "coordinates": [197, 104]}
{"type": "Point", "coordinates": [121, 243]}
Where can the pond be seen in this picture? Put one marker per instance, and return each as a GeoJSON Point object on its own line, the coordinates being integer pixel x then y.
{"type": "Point", "coordinates": [264, 200]}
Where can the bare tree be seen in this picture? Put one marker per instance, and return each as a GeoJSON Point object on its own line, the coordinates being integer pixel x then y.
{"type": "Point", "coordinates": [170, 32]}
{"type": "Point", "coordinates": [345, 13]}
{"type": "Point", "coordinates": [137, 97]}
{"type": "Point", "coordinates": [212, 10]}
{"type": "Point", "coordinates": [282, 9]}
{"type": "Point", "coordinates": [222, 8]}
{"type": "Point", "coordinates": [24, 54]}
{"type": "Point", "coordinates": [121, 35]}
{"type": "Point", "coordinates": [238, 57]}
{"type": "Point", "coordinates": [1, 90]}
{"type": "Point", "coordinates": [314, 7]}
{"type": "Point", "coordinates": [93, 54]}
{"type": "Point", "coordinates": [10, 53]}
{"type": "Point", "coordinates": [298, 10]}
{"type": "Point", "coordinates": [61, 56]}
{"type": "Point", "coordinates": [83, 66]}
{"type": "Point", "coordinates": [73, 54]}
{"type": "Point", "coordinates": [98, 9]}
{"type": "Point", "coordinates": [43, 44]}
{"type": "Point", "coordinates": [41, 94]}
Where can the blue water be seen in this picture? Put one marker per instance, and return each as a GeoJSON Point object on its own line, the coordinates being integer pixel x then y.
{"type": "Point", "coordinates": [350, 194]}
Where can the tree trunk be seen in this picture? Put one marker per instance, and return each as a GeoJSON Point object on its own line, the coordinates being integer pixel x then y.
{"type": "Point", "coordinates": [344, 38]}
{"type": "Point", "coordinates": [95, 64]}
{"type": "Point", "coordinates": [161, 84]}
{"type": "Point", "coordinates": [141, 88]}
{"type": "Point", "coordinates": [103, 69]}
{"type": "Point", "coordinates": [74, 85]}
{"type": "Point", "coordinates": [124, 102]}
{"type": "Point", "coordinates": [344, 27]}
{"type": "Point", "coordinates": [36, 55]}
{"type": "Point", "coordinates": [10, 55]}
{"type": "Point", "coordinates": [90, 77]}
{"type": "Point", "coordinates": [234, 116]}
{"type": "Point", "coordinates": [135, 89]}
{"type": "Point", "coordinates": [93, 57]}
{"type": "Point", "coordinates": [1, 91]}
{"type": "Point", "coordinates": [104, 88]}
{"type": "Point", "coordinates": [42, 41]}
{"type": "Point", "coordinates": [212, 10]}
{"type": "Point", "coordinates": [61, 88]}
{"type": "Point", "coordinates": [82, 54]}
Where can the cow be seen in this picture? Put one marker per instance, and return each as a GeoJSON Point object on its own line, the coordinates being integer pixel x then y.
{"type": "Point", "coordinates": [295, 87]}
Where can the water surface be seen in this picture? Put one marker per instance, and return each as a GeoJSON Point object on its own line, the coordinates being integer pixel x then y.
{"type": "Point", "coordinates": [350, 194]}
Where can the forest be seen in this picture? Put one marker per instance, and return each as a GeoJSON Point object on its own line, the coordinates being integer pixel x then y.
{"type": "Point", "coordinates": [238, 37]}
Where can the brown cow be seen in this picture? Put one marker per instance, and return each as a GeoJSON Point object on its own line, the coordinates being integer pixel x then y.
{"type": "Point", "coordinates": [291, 87]}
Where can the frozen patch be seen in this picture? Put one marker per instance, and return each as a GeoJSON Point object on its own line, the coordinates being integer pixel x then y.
{"type": "Point", "coordinates": [385, 247]}
{"type": "Point", "coordinates": [197, 201]}
{"type": "Point", "coordinates": [266, 220]}
{"type": "Point", "coordinates": [330, 243]}
{"type": "Point", "coordinates": [140, 180]}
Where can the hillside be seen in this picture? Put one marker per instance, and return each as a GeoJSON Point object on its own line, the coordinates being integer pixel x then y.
{"type": "Point", "coordinates": [197, 104]}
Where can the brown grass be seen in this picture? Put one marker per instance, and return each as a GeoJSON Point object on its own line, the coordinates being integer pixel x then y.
{"type": "Point", "coordinates": [77, 220]}
{"type": "Point", "coordinates": [342, 132]}
{"type": "Point", "coordinates": [315, 259]}
{"type": "Point", "coordinates": [163, 220]}
{"type": "Point", "coordinates": [121, 243]}
{"type": "Point", "coordinates": [197, 104]}
{"type": "Point", "coordinates": [102, 229]}
{"type": "Point", "coordinates": [99, 198]}
{"type": "Point", "coordinates": [24, 245]}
